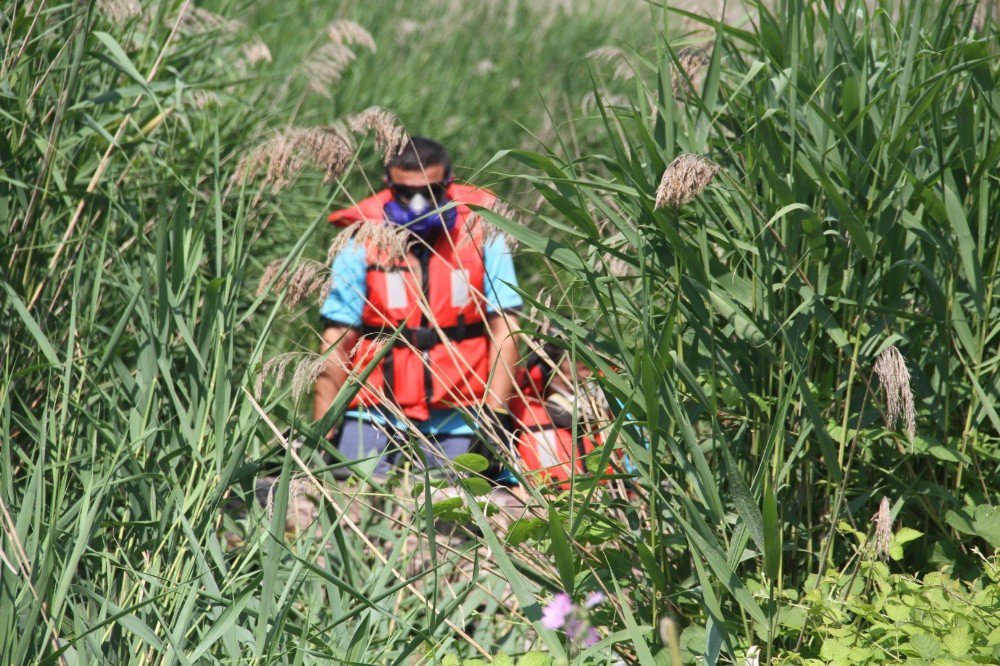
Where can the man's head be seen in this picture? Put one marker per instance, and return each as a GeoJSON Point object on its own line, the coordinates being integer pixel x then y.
{"type": "Point", "coordinates": [419, 177]}
{"type": "Point", "coordinates": [422, 168]}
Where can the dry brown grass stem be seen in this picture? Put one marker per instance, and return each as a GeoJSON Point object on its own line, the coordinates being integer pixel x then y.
{"type": "Point", "coordinates": [119, 11]}
{"type": "Point", "coordinates": [349, 33]}
{"type": "Point", "coordinates": [613, 55]}
{"type": "Point", "coordinates": [387, 241]}
{"type": "Point", "coordinates": [280, 159]}
{"type": "Point", "coordinates": [308, 278]}
{"type": "Point", "coordinates": [688, 78]}
{"type": "Point", "coordinates": [883, 529]}
{"type": "Point", "coordinates": [308, 367]}
{"type": "Point", "coordinates": [685, 178]}
{"type": "Point", "coordinates": [390, 135]}
{"type": "Point", "coordinates": [324, 67]}
{"type": "Point", "coordinates": [894, 378]}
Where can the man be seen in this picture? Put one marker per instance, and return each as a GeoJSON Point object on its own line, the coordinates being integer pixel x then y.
{"type": "Point", "coordinates": [452, 294]}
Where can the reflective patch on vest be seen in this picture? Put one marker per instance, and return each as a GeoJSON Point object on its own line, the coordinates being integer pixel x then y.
{"type": "Point", "coordinates": [546, 448]}
{"type": "Point", "coordinates": [459, 288]}
{"type": "Point", "coordinates": [395, 289]}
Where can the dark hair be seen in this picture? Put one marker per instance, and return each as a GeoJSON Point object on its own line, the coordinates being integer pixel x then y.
{"type": "Point", "coordinates": [419, 153]}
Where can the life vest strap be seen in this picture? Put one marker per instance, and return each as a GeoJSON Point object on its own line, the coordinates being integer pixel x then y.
{"type": "Point", "coordinates": [427, 337]}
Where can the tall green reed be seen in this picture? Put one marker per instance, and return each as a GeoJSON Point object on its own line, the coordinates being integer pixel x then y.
{"type": "Point", "coordinates": [736, 335]}
{"type": "Point", "coordinates": [132, 444]}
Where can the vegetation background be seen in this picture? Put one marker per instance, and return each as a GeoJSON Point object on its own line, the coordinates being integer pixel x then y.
{"type": "Point", "coordinates": [754, 338]}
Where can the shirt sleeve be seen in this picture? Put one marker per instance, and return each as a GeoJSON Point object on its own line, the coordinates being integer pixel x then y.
{"type": "Point", "coordinates": [344, 302]}
{"type": "Point", "coordinates": [500, 288]}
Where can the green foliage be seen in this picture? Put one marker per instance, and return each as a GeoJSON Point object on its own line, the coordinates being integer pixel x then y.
{"type": "Point", "coordinates": [133, 438]}
{"type": "Point", "coordinates": [735, 336]}
{"type": "Point", "coordinates": [875, 616]}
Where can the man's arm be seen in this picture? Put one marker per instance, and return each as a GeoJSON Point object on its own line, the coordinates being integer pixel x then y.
{"type": "Point", "coordinates": [504, 356]}
{"type": "Point", "coordinates": [342, 339]}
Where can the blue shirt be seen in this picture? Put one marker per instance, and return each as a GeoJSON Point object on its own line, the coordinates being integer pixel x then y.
{"type": "Point", "coordinates": [344, 303]}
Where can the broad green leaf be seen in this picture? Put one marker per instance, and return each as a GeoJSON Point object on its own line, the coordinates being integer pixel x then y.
{"type": "Point", "coordinates": [925, 645]}
{"type": "Point", "coordinates": [470, 462]}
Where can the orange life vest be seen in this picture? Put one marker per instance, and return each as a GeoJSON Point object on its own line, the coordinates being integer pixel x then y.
{"type": "Point", "coordinates": [441, 358]}
{"type": "Point", "coordinates": [547, 451]}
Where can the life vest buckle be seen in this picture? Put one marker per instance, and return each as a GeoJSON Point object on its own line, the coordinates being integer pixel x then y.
{"type": "Point", "coordinates": [423, 337]}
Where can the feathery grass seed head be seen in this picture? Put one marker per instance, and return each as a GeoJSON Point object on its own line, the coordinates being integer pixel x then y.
{"type": "Point", "coordinates": [390, 135]}
{"type": "Point", "coordinates": [349, 33]}
{"type": "Point", "coordinates": [480, 230]}
{"type": "Point", "coordinates": [274, 367]}
{"type": "Point", "coordinates": [281, 158]}
{"type": "Point", "coordinates": [894, 378]}
{"type": "Point", "coordinates": [685, 178]}
{"type": "Point", "coordinates": [197, 20]}
{"type": "Point", "coordinates": [203, 99]}
{"type": "Point", "coordinates": [119, 11]}
{"type": "Point", "coordinates": [376, 340]}
{"type": "Point", "coordinates": [307, 370]}
{"type": "Point", "coordinates": [324, 67]}
{"type": "Point", "coordinates": [308, 278]}
{"type": "Point", "coordinates": [613, 55]}
{"type": "Point", "coordinates": [256, 52]}
{"type": "Point", "coordinates": [689, 72]}
{"type": "Point", "coordinates": [386, 240]}
{"type": "Point", "coordinates": [308, 367]}
{"type": "Point", "coordinates": [883, 528]}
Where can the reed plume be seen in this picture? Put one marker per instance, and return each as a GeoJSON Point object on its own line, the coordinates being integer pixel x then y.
{"type": "Point", "coordinates": [390, 135]}
{"type": "Point", "coordinates": [349, 33]}
{"type": "Point", "coordinates": [203, 99]}
{"type": "Point", "coordinates": [894, 378]}
{"type": "Point", "coordinates": [480, 230]}
{"type": "Point", "coordinates": [688, 73]}
{"type": "Point", "coordinates": [685, 178]}
{"type": "Point", "coordinates": [197, 20]}
{"type": "Point", "coordinates": [119, 12]}
{"type": "Point", "coordinates": [308, 278]}
{"type": "Point", "coordinates": [883, 529]}
{"type": "Point", "coordinates": [308, 367]}
{"type": "Point", "coordinates": [613, 55]}
{"type": "Point", "coordinates": [377, 342]}
{"type": "Point", "coordinates": [281, 159]}
{"type": "Point", "coordinates": [255, 52]}
{"type": "Point", "coordinates": [325, 66]}
{"type": "Point", "coordinates": [386, 241]}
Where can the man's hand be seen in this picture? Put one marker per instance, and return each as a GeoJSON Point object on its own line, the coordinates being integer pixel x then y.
{"type": "Point", "coordinates": [504, 355]}
{"type": "Point", "coordinates": [338, 341]}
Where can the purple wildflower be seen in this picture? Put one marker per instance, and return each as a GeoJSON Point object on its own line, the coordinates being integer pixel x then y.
{"type": "Point", "coordinates": [591, 638]}
{"type": "Point", "coordinates": [593, 599]}
{"type": "Point", "coordinates": [554, 615]}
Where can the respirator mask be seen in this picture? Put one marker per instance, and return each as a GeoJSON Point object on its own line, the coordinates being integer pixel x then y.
{"type": "Point", "coordinates": [419, 208]}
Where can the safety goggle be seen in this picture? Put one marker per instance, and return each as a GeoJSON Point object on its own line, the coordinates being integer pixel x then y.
{"type": "Point", "coordinates": [432, 191]}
